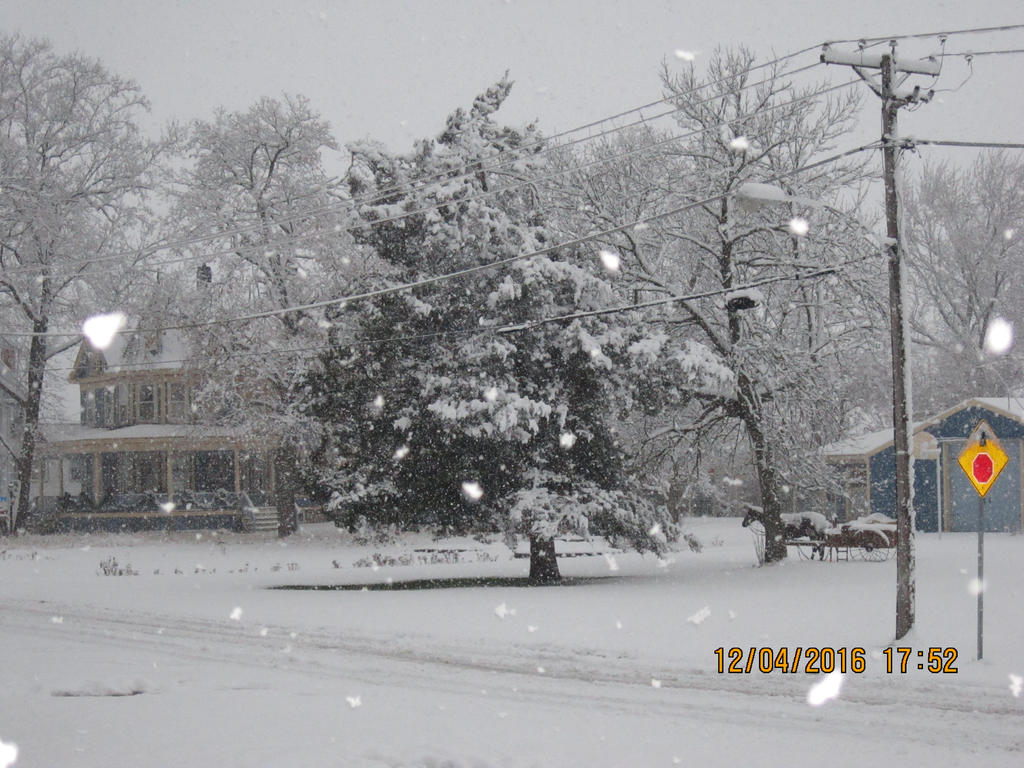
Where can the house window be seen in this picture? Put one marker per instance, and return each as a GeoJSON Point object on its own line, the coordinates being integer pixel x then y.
{"type": "Point", "coordinates": [98, 412]}
{"type": "Point", "coordinates": [106, 396]}
{"type": "Point", "coordinates": [113, 475]}
{"type": "Point", "coordinates": [149, 471]}
{"type": "Point", "coordinates": [15, 423]}
{"type": "Point", "coordinates": [145, 401]}
{"type": "Point", "coordinates": [80, 474]}
{"type": "Point", "coordinates": [181, 472]}
{"type": "Point", "coordinates": [121, 403]}
{"type": "Point", "coordinates": [215, 470]}
{"type": "Point", "coordinates": [255, 474]}
{"type": "Point", "coordinates": [177, 403]}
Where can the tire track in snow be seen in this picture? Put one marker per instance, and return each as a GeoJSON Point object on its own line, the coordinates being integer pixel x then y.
{"type": "Point", "coordinates": [868, 704]}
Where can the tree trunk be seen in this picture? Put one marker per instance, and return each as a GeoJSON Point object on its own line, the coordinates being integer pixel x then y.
{"type": "Point", "coordinates": [767, 477]}
{"type": "Point", "coordinates": [26, 455]}
{"type": "Point", "coordinates": [543, 565]}
{"type": "Point", "coordinates": [285, 483]}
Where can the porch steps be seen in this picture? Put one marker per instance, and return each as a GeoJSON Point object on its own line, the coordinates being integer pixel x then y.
{"type": "Point", "coordinates": [264, 519]}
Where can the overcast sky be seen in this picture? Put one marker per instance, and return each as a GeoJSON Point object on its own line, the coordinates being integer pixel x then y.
{"type": "Point", "coordinates": [393, 70]}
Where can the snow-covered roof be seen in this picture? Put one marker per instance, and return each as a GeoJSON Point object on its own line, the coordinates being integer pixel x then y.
{"type": "Point", "coordinates": [873, 442]}
{"type": "Point", "coordinates": [865, 445]}
{"type": "Point", "coordinates": [1010, 407]}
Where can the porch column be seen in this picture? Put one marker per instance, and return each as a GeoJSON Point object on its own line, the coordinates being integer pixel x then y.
{"type": "Point", "coordinates": [97, 476]}
{"type": "Point", "coordinates": [238, 472]}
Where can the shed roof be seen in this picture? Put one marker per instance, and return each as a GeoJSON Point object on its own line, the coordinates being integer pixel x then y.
{"type": "Point", "coordinates": [873, 442]}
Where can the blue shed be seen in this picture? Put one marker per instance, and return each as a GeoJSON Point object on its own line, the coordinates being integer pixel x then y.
{"type": "Point", "coordinates": [943, 497]}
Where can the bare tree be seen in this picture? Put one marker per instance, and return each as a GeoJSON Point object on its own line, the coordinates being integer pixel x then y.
{"type": "Point", "coordinates": [255, 196]}
{"type": "Point", "coordinates": [74, 169]}
{"type": "Point", "coordinates": [964, 237]}
{"type": "Point", "coordinates": [765, 361]}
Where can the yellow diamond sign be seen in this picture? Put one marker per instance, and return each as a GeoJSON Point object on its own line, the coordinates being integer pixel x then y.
{"type": "Point", "coordinates": [982, 459]}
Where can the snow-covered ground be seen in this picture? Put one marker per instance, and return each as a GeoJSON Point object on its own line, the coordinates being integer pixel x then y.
{"type": "Point", "coordinates": [189, 659]}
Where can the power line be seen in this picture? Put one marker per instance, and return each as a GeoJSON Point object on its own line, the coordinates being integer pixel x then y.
{"type": "Point", "coordinates": [471, 270]}
{"type": "Point", "coordinates": [940, 33]}
{"type": "Point", "coordinates": [972, 54]}
{"type": "Point", "coordinates": [914, 141]}
{"type": "Point", "coordinates": [520, 327]}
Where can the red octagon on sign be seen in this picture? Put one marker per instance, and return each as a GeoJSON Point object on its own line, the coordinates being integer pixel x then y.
{"type": "Point", "coordinates": [982, 468]}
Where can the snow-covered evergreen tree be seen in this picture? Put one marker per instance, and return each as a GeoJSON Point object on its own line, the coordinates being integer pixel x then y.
{"type": "Point", "coordinates": [441, 410]}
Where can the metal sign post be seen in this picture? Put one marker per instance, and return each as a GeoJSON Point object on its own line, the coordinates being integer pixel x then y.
{"type": "Point", "coordinates": [981, 574]}
{"type": "Point", "coordinates": [982, 459]}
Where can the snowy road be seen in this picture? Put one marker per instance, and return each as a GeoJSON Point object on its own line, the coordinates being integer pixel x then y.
{"type": "Point", "coordinates": [228, 694]}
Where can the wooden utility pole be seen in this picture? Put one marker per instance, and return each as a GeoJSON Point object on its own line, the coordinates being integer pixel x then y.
{"type": "Point", "coordinates": [892, 100]}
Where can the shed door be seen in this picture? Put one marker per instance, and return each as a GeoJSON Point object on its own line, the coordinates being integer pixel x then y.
{"type": "Point", "coordinates": [1002, 502]}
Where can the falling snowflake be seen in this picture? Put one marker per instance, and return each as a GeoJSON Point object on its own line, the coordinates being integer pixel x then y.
{"type": "Point", "coordinates": [540, 670]}
{"type": "Point", "coordinates": [1016, 685]}
{"type": "Point", "coordinates": [503, 610]}
{"type": "Point", "coordinates": [167, 506]}
{"type": "Point", "coordinates": [101, 329]}
{"type": "Point", "coordinates": [401, 452]}
{"type": "Point", "coordinates": [825, 689]}
{"type": "Point", "coordinates": [236, 613]}
{"type": "Point", "coordinates": [531, 628]}
{"type": "Point", "coordinates": [56, 619]}
{"type": "Point", "coordinates": [567, 440]}
{"type": "Point", "coordinates": [491, 394]}
{"type": "Point", "coordinates": [354, 701]}
{"type": "Point", "coordinates": [998, 336]}
{"type": "Point", "coordinates": [8, 754]}
{"type": "Point", "coordinates": [611, 260]}
{"type": "Point", "coordinates": [655, 530]}
{"type": "Point", "coordinates": [975, 586]}
{"type": "Point", "coordinates": [700, 616]}
{"type": "Point", "coordinates": [655, 683]}
{"type": "Point", "coordinates": [473, 491]}
{"type": "Point", "coordinates": [618, 625]}
{"type": "Point", "coordinates": [613, 564]}
{"type": "Point", "coordinates": [799, 226]}
{"type": "Point", "coordinates": [1008, 234]}
{"type": "Point", "coordinates": [378, 402]}
{"type": "Point", "coordinates": [263, 631]}
{"type": "Point", "coordinates": [739, 145]}
{"type": "Point", "coordinates": [732, 615]}
{"type": "Point", "coordinates": [683, 55]}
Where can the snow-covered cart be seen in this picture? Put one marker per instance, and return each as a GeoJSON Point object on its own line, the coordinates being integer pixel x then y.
{"type": "Point", "coordinates": [872, 537]}
{"type": "Point", "coordinates": [811, 535]}
{"type": "Point", "coordinates": [802, 531]}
